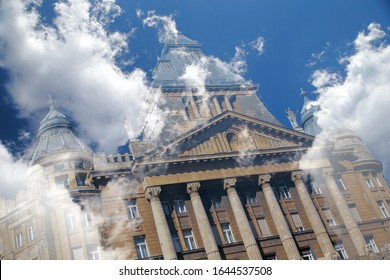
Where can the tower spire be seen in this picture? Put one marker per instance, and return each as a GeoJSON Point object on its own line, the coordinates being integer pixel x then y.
{"type": "Point", "coordinates": [52, 103]}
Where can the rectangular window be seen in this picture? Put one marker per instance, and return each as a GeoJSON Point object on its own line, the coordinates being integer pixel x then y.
{"type": "Point", "coordinates": [78, 253]}
{"type": "Point", "coordinates": [371, 244]}
{"type": "Point", "coordinates": [80, 179]}
{"type": "Point", "coordinates": [283, 191]}
{"type": "Point", "coordinates": [93, 252]}
{"type": "Point", "coordinates": [87, 220]}
{"type": "Point", "coordinates": [370, 184]}
{"type": "Point", "coordinates": [30, 233]}
{"type": "Point", "coordinates": [378, 182]}
{"type": "Point", "coordinates": [176, 242]}
{"type": "Point", "coordinates": [189, 239]}
{"type": "Point", "coordinates": [263, 227]}
{"type": "Point", "coordinates": [132, 211]}
{"type": "Point", "coordinates": [341, 250]}
{"type": "Point", "coordinates": [297, 222]}
{"type": "Point", "coordinates": [18, 240]}
{"type": "Point", "coordinates": [308, 255]}
{"type": "Point", "coordinates": [354, 212]}
{"type": "Point", "coordinates": [216, 235]}
{"type": "Point", "coordinates": [315, 188]}
{"type": "Point", "coordinates": [62, 181]}
{"type": "Point", "coordinates": [166, 206]}
{"type": "Point", "coordinates": [329, 217]}
{"type": "Point", "coordinates": [217, 202]}
{"type": "Point", "coordinates": [141, 247]}
{"type": "Point", "coordinates": [252, 198]}
{"type": "Point", "coordinates": [71, 220]}
{"type": "Point", "coordinates": [341, 185]}
{"type": "Point", "coordinates": [383, 209]}
{"type": "Point", "coordinates": [179, 206]}
{"type": "Point", "coordinates": [227, 233]}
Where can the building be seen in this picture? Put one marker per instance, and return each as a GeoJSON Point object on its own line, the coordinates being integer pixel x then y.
{"type": "Point", "coordinates": [225, 180]}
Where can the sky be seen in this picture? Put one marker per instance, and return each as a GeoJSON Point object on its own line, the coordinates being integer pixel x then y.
{"type": "Point", "coordinates": [95, 55]}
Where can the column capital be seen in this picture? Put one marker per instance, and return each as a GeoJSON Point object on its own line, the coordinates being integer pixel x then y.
{"type": "Point", "coordinates": [327, 171]}
{"type": "Point", "coordinates": [296, 175]}
{"type": "Point", "coordinates": [264, 178]}
{"type": "Point", "coordinates": [229, 182]}
{"type": "Point", "coordinates": [152, 192]}
{"type": "Point", "coordinates": [193, 187]}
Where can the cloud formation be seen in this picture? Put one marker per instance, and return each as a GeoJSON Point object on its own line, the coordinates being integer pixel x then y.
{"type": "Point", "coordinates": [360, 100]}
{"type": "Point", "coordinates": [166, 25]}
{"type": "Point", "coordinates": [258, 45]}
{"type": "Point", "coordinates": [74, 59]}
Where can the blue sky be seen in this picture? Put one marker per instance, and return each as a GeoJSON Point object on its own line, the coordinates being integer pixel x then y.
{"type": "Point", "coordinates": [300, 38]}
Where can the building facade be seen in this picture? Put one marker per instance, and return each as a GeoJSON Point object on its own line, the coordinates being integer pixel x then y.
{"type": "Point", "coordinates": [225, 180]}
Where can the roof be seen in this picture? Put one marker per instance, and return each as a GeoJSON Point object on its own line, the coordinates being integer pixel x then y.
{"type": "Point", "coordinates": [180, 52]}
{"type": "Point", "coordinates": [57, 134]}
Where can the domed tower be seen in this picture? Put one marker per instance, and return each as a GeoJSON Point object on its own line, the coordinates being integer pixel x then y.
{"type": "Point", "coordinates": [308, 118]}
{"type": "Point", "coordinates": [64, 157]}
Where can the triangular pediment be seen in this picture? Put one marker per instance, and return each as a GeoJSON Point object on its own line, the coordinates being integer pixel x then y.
{"type": "Point", "coordinates": [232, 133]}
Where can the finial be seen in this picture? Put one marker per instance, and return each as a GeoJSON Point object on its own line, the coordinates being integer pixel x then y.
{"type": "Point", "coordinates": [51, 103]}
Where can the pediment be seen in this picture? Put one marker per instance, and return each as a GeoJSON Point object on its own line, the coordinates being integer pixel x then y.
{"type": "Point", "coordinates": [234, 133]}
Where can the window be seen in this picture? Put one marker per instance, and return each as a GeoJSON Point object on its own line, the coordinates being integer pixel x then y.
{"type": "Point", "coordinates": [252, 198]}
{"type": "Point", "coordinates": [308, 255]}
{"type": "Point", "coordinates": [354, 212]}
{"type": "Point", "coordinates": [283, 191]}
{"type": "Point", "coordinates": [62, 181]}
{"type": "Point", "coordinates": [30, 233]}
{"type": "Point", "coordinates": [79, 165]}
{"type": "Point", "coordinates": [383, 209]}
{"type": "Point", "coordinates": [80, 179]}
{"type": "Point", "coordinates": [329, 217]}
{"type": "Point", "coordinates": [371, 244]}
{"type": "Point", "coordinates": [71, 220]}
{"type": "Point", "coordinates": [166, 206]}
{"type": "Point", "coordinates": [216, 235]}
{"type": "Point", "coordinates": [263, 227]}
{"type": "Point", "coordinates": [378, 182]}
{"type": "Point", "coordinates": [132, 209]}
{"type": "Point", "coordinates": [78, 253]}
{"type": "Point", "coordinates": [370, 184]}
{"type": "Point", "coordinates": [93, 252]}
{"type": "Point", "coordinates": [227, 233]}
{"type": "Point", "coordinates": [87, 220]}
{"type": "Point", "coordinates": [141, 247]}
{"type": "Point", "coordinates": [179, 206]}
{"type": "Point", "coordinates": [316, 189]}
{"type": "Point", "coordinates": [18, 240]}
{"type": "Point", "coordinates": [297, 222]}
{"type": "Point", "coordinates": [176, 242]}
{"type": "Point", "coordinates": [341, 250]}
{"type": "Point", "coordinates": [341, 185]}
{"type": "Point", "coordinates": [217, 203]}
{"type": "Point", "coordinates": [189, 239]}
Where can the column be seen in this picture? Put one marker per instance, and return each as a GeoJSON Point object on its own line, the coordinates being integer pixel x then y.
{"type": "Point", "coordinates": [313, 216]}
{"type": "Point", "coordinates": [163, 232]}
{"type": "Point", "coordinates": [227, 102]}
{"type": "Point", "coordinates": [278, 218]}
{"type": "Point", "coordinates": [194, 108]}
{"type": "Point", "coordinates": [243, 225]}
{"type": "Point", "coordinates": [216, 105]}
{"type": "Point", "coordinates": [342, 207]}
{"type": "Point", "coordinates": [205, 230]}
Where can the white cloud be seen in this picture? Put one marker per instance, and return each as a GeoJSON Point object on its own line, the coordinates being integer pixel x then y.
{"type": "Point", "coordinates": [75, 60]}
{"type": "Point", "coordinates": [13, 173]}
{"type": "Point", "coordinates": [238, 63]}
{"type": "Point", "coordinates": [165, 24]}
{"type": "Point", "coordinates": [258, 45]}
{"type": "Point", "coordinates": [360, 101]}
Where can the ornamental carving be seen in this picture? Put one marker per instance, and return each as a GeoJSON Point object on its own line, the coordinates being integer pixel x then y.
{"type": "Point", "coordinates": [229, 182]}
{"type": "Point", "coordinates": [193, 187]}
{"type": "Point", "coordinates": [264, 178]}
{"type": "Point", "coordinates": [296, 175]}
{"type": "Point", "coordinates": [327, 172]}
{"type": "Point", "coordinates": [152, 192]}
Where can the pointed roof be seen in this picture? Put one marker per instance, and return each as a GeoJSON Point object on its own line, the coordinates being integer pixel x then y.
{"type": "Point", "coordinates": [57, 134]}
{"type": "Point", "coordinates": [180, 52]}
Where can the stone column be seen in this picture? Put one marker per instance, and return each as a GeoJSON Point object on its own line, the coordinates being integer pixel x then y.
{"type": "Point", "coordinates": [280, 222]}
{"type": "Point", "coordinates": [163, 232]}
{"type": "Point", "coordinates": [216, 105]}
{"type": "Point", "coordinates": [342, 207]}
{"type": "Point", "coordinates": [227, 102]}
{"type": "Point", "coordinates": [205, 230]}
{"type": "Point", "coordinates": [194, 108]}
{"type": "Point", "coordinates": [242, 221]}
{"type": "Point", "coordinates": [314, 218]}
